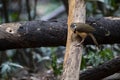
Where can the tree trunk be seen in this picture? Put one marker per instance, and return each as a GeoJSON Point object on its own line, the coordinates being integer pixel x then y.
{"type": "Point", "coordinates": [73, 55]}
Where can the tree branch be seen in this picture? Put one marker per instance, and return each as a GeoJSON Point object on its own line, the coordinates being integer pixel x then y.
{"type": "Point", "coordinates": [32, 34]}
{"type": "Point", "coordinates": [102, 71]}
{"type": "Point", "coordinates": [54, 33]}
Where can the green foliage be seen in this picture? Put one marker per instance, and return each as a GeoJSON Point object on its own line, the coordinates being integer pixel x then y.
{"type": "Point", "coordinates": [93, 58]}
{"type": "Point", "coordinates": [8, 68]}
{"type": "Point", "coordinates": [14, 16]}
{"type": "Point", "coordinates": [57, 68]}
{"type": "Point", "coordinates": [106, 54]}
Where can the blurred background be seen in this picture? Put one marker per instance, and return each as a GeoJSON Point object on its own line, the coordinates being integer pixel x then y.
{"type": "Point", "coordinates": [45, 63]}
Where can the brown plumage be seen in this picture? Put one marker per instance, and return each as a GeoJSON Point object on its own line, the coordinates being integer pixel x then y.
{"type": "Point", "coordinates": [83, 30]}
{"type": "Point", "coordinates": [82, 27]}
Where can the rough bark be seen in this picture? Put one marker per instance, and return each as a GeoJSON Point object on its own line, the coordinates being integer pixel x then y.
{"type": "Point", "coordinates": [54, 33]}
{"type": "Point", "coordinates": [32, 34]}
{"type": "Point", "coordinates": [102, 71]}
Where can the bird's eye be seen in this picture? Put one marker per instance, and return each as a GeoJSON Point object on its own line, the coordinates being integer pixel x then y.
{"type": "Point", "coordinates": [73, 25]}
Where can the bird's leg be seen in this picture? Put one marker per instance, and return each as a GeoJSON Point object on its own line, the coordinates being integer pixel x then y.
{"type": "Point", "coordinates": [79, 44]}
{"type": "Point", "coordinates": [75, 37]}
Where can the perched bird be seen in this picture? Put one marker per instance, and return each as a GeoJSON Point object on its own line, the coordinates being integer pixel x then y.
{"type": "Point", "coordinates": [83, 30]}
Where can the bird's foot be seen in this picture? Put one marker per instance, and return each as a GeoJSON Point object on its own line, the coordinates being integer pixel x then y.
{"type": "Point", "coordinates": [78, 45]}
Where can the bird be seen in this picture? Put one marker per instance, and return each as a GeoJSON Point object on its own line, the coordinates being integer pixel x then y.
{"type": "Point", "coordinates": [83, 30]}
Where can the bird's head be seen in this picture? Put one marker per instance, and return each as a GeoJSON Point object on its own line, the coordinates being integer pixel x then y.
{"type": "Point", "coordinates": [73, 27]}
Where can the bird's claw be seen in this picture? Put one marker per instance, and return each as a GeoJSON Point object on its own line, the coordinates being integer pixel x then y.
{"type": "Point", "coordinates": [78, 45]}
